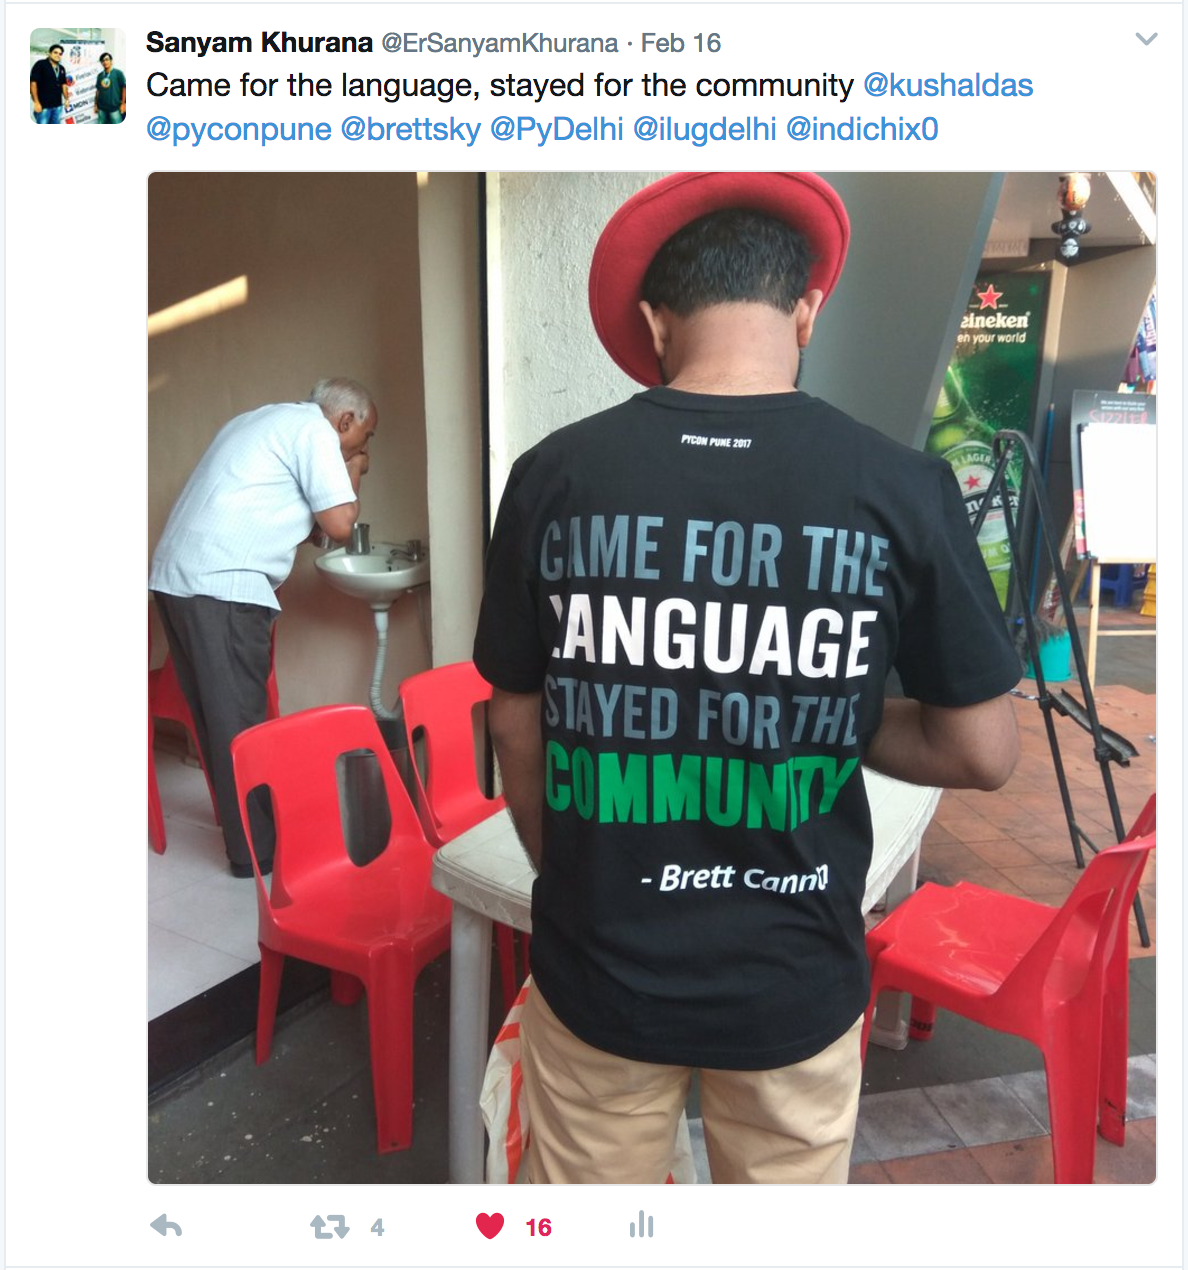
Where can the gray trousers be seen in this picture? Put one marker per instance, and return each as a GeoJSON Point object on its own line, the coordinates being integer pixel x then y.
{"type": "Point", "coordinates": [222, 654]}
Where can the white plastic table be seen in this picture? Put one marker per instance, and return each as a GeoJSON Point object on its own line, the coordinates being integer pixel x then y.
{"type": "Point", "coordinates": [487, 875]}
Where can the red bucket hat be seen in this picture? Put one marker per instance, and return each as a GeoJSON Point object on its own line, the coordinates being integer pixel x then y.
{"type": "Point", "coordinates": [637, 231]}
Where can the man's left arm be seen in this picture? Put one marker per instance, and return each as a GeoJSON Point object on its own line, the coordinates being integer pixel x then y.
{"type": "Point", "coordinates": [964, 747]}
{"type": "Point", "coordinates": [514, 720]}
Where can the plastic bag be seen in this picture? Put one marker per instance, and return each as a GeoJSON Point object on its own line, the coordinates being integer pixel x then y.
{"type": "Point", "coordinates": [505, 1109]}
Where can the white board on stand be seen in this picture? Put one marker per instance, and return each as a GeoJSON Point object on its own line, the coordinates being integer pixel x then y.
{"type": "Point", "coordinates": [1118, 467]}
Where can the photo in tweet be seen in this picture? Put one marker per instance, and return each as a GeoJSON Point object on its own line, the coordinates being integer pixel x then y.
{"type": "Point", "coordinates": [463, 303]}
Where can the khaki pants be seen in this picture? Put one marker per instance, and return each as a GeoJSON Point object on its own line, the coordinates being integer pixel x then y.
{"type": "Point", "coordinates": [599, 1118]}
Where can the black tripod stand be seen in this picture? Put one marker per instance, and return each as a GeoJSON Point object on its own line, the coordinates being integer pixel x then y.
{"type": "Point", "coordinates": [1108, 747]}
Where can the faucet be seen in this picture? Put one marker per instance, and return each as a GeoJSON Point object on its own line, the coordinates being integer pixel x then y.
{"type": "Point", "coordinates": [413, 551]}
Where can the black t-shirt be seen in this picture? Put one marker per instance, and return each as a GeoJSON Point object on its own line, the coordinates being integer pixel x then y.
{"type": "Point", "coordinates": [49, 80]}
{"type": "Point", "coordinates": [709, 593]}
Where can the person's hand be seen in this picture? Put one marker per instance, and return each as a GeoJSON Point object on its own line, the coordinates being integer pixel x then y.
{"type": "Point", "coordinates": [358, 464]}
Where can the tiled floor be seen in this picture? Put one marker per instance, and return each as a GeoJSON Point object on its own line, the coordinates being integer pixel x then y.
{"type": "Point", "coordinates": [201, 920]}
{"type": "Point", "coordinates": [915, 1124]}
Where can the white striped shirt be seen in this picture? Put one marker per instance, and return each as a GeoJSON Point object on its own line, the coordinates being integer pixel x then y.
{"type": "Point", "coordinates": [249, 504]}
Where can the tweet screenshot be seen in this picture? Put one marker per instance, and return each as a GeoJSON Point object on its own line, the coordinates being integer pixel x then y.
{"type": "Point", "coordinates": [617, 545]}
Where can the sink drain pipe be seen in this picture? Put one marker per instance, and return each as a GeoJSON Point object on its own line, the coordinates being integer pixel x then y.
{"type": "Point", "coordinates": [391, 722]}
{"type": "Point", "coordinates": [375, 696]}
{"type": "Point", "coordinates": [366, 817]}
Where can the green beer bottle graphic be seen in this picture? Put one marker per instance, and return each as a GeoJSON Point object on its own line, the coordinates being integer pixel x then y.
{"type": "Point", "coordinates": [967, 444]}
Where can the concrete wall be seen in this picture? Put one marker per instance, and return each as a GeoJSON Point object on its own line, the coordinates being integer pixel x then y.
{"type": "Point", "coordinates": [333, 289]}
{"type": "Point", "coordinates": [880, 347]}
{"type": "Point", "coordinates": [547, 366]}
{"type": "Point", "coordinates": [451, 255]}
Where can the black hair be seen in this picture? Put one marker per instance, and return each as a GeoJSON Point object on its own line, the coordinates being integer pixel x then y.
{"type": "Point", "coordinates": [730, 256]}
{"type": "Point", "coordinates": [104, 54]}
{"type": "Point", "coordinates": [55, 46]}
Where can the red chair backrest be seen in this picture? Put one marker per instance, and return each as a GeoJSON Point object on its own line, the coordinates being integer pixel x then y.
{"type": "Point", "coordinates": [296, 758]}
{"type": "Point", "coordinates": [1144, 822]}
{"type": "Point", "coordinates": [440, 703]}
{"type": "Point", "coordinates": [1070, 956]}
{"type": "Point", "coordinates": [165, 695]}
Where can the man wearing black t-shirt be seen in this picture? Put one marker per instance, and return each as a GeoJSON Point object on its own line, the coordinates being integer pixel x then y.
{"type": "Point", "coordinates": [48, 87]}
{"type": "Point", "coordinates": [692, 604]}
{"type": "Point", "coordinates": [111, 93]}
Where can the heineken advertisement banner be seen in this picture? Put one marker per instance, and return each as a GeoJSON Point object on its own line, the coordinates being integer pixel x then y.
{"type": "Point", "coordinates": [991, 384]}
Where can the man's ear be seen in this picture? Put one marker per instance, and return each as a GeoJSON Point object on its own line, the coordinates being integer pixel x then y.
{"type": "Point", "coordinates": [658, 324]}
{"type": "Point", "coordinates": [805, 315]}
{"type": "Point", "coordinates": [344, 420]}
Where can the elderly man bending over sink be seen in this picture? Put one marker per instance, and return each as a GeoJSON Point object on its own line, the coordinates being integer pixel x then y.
{"type": "Point", "coordinates": [230, 541]}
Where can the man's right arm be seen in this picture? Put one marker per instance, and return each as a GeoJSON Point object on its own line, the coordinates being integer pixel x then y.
{"type": "Point", "coordinates": [36, 98]}
{"type": "Point", "coordinates": [337, 522]}
{"type": "Point", "coordinates": [965, 747]}
{"type": "Point", "coordinates": [514, 720]}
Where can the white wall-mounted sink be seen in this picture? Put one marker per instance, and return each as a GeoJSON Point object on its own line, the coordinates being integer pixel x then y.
{"type": "Point", "coordinates": [378, 577]}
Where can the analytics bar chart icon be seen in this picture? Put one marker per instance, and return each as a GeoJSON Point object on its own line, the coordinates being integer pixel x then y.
{"type": "Point", "coordinates": [640, 1231]}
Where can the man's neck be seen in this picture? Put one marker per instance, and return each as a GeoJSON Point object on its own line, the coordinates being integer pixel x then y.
{"type": "Point", "coordinates": [735, 350]}
{"type": "Point", "coordinates": [732, 382]}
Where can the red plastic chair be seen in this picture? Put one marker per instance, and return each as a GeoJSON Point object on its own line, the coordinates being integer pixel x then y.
{"type": "Point", "coordinates": [166, 701]}
{"type": "Point", "coordinates": [1057, 977]}
{"type": "Point", "coordinates": [922, 1017]}
{"type": "Point", "coordinates": [381, 922]}
{"type": "Point", "coordinates": [156, 815]}
{"type": "Point", "coordinates": [439, 706]}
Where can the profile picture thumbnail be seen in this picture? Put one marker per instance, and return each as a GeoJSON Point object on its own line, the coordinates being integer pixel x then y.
{"type": "Point", "coordinates": [76, 75]}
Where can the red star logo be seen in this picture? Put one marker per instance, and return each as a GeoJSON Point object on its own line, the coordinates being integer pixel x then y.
{"type": "Point", "coordinates": [989, 297]}
{"type": "Point", "coordinates": [972, 482]}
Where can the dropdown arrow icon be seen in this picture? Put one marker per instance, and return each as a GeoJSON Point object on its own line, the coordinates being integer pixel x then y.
{"type": "Point", "coordinates": [1146, 39]}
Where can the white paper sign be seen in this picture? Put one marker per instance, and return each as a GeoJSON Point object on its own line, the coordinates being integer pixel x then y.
{"type": "Point", "coordinates": [1118, 466]}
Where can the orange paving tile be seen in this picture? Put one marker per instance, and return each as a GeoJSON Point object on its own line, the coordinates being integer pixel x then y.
{"type": "Point", "coordinates": [1144, 1127]}
{"type": "Point", "coordinates": [954, 1167]}
{"type": "Point", "coordinates": [870, 1172]}
{"type": "Point", "coordinates": [1133, 1163]}
{"type": "Point", "coordinates": [993, 880]}
{"type": "Point", "coordinates": [1040, 880]}
{"type": "Point", "coordinates": [967, 828]}
{"type": "Point", "coordinates": [1027, 1162]}
{"type": "Point", "coordinates": [1004, 852]}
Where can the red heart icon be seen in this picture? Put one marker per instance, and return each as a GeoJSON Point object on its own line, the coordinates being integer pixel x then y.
{"type": "Point", "coordinates": [490, 1224]}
